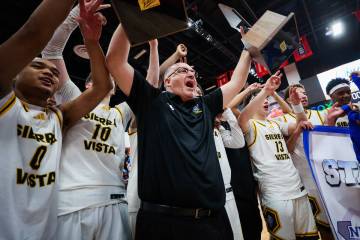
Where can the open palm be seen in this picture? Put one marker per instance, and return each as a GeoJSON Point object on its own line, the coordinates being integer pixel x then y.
{"type": "Point", "coordinates": [90, 21]}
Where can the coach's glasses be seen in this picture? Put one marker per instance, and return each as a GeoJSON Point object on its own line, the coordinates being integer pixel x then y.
{"type": "Point", "coordinates": [182, 70]}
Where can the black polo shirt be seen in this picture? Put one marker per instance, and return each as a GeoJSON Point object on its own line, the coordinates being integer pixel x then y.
{"type": "Point", "coordinates": [177, 161]}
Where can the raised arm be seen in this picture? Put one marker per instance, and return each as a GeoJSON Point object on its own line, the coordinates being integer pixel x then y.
{"type": "Point", "coordinates": [117, 60]}
{"type": "Point", "coordinates": [283, 104]}
{"type": "Point", "coordinates": [238, 79]}
{"type": "Point", "coordinates": [55, 47]}
{"type": "Point", "coordinates": [249, 111]}
{"type": "Point", "coordinates": [30, 39]}
{"type": "Point", "coordinates": [239, 98]}
{"type": "Point", "coordinates": [153, 71]}
{"type": "Point", "coordinates": [91, 27]}
{"type": "Point", "coordinates": [297, 108]}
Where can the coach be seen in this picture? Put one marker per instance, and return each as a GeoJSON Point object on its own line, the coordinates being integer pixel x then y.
{"type": "Point", "coordinates": [180, 182]}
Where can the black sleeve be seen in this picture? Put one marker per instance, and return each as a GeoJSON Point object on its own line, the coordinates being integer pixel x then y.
{"type": "Point", "coordinates": [214, 102]}
{"type": "Point", "coordinates": [141, 94]}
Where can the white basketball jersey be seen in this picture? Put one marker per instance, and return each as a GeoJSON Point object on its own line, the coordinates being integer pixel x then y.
{"type": "Point", "coordinates": [302, 165]}
{"type": "Point", "coordinates": [93, 159]}
{"type": "Point", "coordinates": [223, 160]}
{"type": "Point", "coordinates": [30, 140]}
{"type": "Point", "coordinates": [132, 188]}
{"type": "Point", "coordinates": [273, 167]}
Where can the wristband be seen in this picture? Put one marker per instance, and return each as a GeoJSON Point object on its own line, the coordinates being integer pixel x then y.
{"type": "Point", "coordinates": [297, 108]}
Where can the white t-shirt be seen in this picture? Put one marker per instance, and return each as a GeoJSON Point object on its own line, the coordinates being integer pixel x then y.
{"type": "Point", "coordinates": [233, 137]}
{"type": "Point", "coordinates": [93, 158]}
{"type": "Point", "coordinates": [132, 188]}
{"type": "Point", "coordinates": [30, 140]}
{"type": "Point", "coordinates": [223, 160]}
{"type": "Point", "coordinates": [273, 167]}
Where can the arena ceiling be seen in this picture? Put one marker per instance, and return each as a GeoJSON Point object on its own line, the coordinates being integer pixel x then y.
{"type": "Point", "coordinates": [313, 16]}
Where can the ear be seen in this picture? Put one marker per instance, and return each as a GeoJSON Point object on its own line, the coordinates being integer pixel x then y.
{"type": "Point", "coordinates": [167, 82]}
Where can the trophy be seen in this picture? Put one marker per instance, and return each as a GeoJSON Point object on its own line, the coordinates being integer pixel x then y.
{"type": "Point", "coordinates": [144, 20]}
{"type": "Point", "coordinates": [272, 39]}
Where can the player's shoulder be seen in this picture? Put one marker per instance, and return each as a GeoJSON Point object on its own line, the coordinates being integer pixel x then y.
{"type": "Point", "coordinates": [7, 103]}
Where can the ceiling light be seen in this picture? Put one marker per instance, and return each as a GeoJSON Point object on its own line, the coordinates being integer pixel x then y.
{"type": "Point", "coordinates": [336, 29]}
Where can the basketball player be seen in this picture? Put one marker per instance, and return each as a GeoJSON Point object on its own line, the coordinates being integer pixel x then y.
{"type": "Point", "coordinates": [92, 196]}
{"type": "Point", "coordinates": [296, 148]}
{"type": "Point", "coordinates": [31, 134]}
{"type": "Point", "coordinates": [286, 208]}
{"type": "Point", "coordinates": [340, 93]}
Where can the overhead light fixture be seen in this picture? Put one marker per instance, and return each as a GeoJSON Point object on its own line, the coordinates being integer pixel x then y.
{"type": "Point", "coordinates": [336, 29]}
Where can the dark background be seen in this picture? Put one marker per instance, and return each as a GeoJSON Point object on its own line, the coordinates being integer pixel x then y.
{"type": "Point", "coordinates": [313, 16]}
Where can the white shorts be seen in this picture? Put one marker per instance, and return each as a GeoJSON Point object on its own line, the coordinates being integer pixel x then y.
{"type": "Point", "coordinates": [290, 219]}
{"type": "Point", "coordinates": [318, 210]}
{"type": "Point", "coordinates": [233, 215]}
{"type": "Point", "coordinates": [106, 222]}
{"type": "Point", "coordinates": [132, 221]}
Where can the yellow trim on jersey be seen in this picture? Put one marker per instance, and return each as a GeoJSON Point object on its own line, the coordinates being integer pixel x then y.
{"type": "Point", "coordinates": [8, 105]}
{"type": "Point", "coordinates": [132, 131]}
{"type": "Point", "coordinates": [255, 134]}
{"type": "Point", "coordinates": [275, 123]}
{"type": "Point", "coordinates": [285, 120]}
{"type": "Point", "coordinates": [275, 237]}
{"type": "Point", "coordinates": [25, 106]}
{"type": "Point", "coordinates": [321, 120]}
{"type": "Point", "coordinates": [310, 234]}
{"type": "Point", "coordinates": [322, 223]}
{"type": "Point", "coordinates": [59, 116]}
{"type": "Point", "coordinates": [121, 114]}
{"type": "Point", "coordinates": [291, 115]}
{"type": "Point", "coordinates": [261, 123]}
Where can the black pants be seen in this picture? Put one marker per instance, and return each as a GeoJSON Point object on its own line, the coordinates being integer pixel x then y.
{"type": "Point", "coordinates": [157, 226]}
{"type": "Point", "coordinates": [250, 219]}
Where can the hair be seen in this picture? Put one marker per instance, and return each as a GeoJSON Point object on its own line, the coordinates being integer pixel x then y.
{"type": "Point", "coordinates": [334, 82]}
{"type": "Point", "coordinates": [248, 99]}
{"type": "Point", "coordinates": [168, 71]}
{"type": "Point", "coordinates": [287, 90]}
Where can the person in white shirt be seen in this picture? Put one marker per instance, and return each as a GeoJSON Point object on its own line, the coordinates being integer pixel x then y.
{"type": "Point", "coordinates": [286, 208]}
{"type": "Point", "coordinates": [31, 132]}
{"type": "Point", "coordinates": [92, 194]}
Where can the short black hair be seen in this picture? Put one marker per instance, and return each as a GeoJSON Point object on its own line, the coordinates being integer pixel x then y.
{"type": "Point", "coordinates": [287, 90]}
{"type": "Point", "coordinates": [334, 82]}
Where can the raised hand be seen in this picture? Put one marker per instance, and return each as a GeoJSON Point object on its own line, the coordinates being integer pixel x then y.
{"type": "Point", "coordinates": [303, 125]}
{"type": "Point", "coordinates": [333, 114]}
{"type": "Point", "coordinates": [90, 21]}
{"type": "Point", "coordinates": [153, 43]}
{"type": "Point", "coordinates": [252, 87]}
{"type": "Point", "coordinates": [294, 97]}
{"type": "Point", "coordinates": [181, 50]}
{"type": "Point", "coordinates": [273, 83]}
